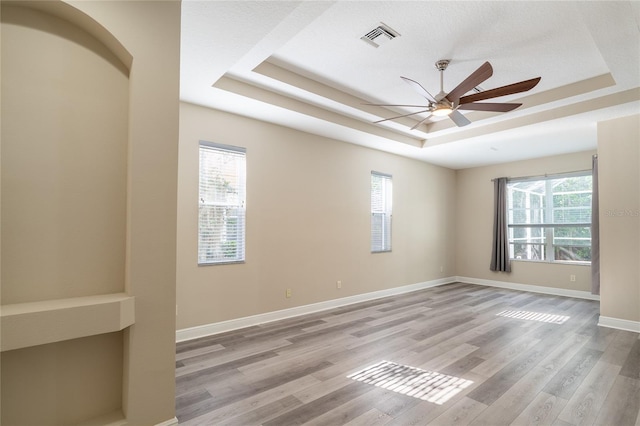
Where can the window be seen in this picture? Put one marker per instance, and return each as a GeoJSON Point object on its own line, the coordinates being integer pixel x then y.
{"type": "Point", "coordinates": [381, 202]}
{"type": "Point", "coordinates": [550, 218]}
{"type": "Point", "coordinates": [221, 220]}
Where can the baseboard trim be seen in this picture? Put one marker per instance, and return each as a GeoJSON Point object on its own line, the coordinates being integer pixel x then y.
{"type": "Point", "coordinates": [619, 324]}
{"type": "Point", "coordinates": [234, 324]}
{"type": "Point", "coordinates": [531, 288]}
{"type": "Point", "coordinates": [170, 422]}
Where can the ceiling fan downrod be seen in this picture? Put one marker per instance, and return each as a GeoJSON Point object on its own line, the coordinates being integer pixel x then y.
{"type": "Point", "coordinates": [442, 107]}
{"type": "Point", "coordinates": [441, 66]}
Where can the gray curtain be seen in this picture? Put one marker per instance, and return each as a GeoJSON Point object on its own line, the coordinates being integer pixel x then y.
{"type": "Point", "coordinates": [500, 250]}
{"type": "Point", "coordinates": [595, 231]}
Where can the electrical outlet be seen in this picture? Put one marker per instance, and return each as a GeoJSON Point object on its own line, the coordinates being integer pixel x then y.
{"type": "Point", "coordinates": [288, 293]}
{"type": "Point", "coordinates": [572, 277]}
{"type": "Point", "coordinates": [441, 268]}
{"type": "Point", "coordinates": [339, 284]}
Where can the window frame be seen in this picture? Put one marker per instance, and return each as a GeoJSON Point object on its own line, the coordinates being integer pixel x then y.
{"type": "Point", "coordinates": [241, 228]}
{"type": "Point", "coordinates": [547, 224]}
{"type": "Point", "coordinates": [386, 214]}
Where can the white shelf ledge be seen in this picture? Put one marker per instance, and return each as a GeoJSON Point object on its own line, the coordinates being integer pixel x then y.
{"type": "Point", "coordinates": [37, 323]}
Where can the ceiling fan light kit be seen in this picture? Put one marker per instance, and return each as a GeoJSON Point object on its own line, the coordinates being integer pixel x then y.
{"type": "Point", "coordinates": [441, 110]}
{"type": "Point", "coordinates": [448, 104]}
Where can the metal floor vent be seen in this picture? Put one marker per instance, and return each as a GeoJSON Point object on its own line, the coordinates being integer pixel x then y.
{"type": "Point", "coordinates": [380, 35]}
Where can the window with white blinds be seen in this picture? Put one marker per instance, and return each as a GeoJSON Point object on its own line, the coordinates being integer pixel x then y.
{"type": "Point", "coordinates": [381, 206]}
{"type": "Point", "coordinates": [222, 189]}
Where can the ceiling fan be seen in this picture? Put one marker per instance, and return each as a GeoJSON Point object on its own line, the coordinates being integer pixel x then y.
{"type": "Point", "coordinates": [449, 104]}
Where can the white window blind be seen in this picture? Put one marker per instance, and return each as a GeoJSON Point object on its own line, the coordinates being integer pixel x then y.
{"type": "Point", "coordinates": [222, 189]}
{"type": "Point", "coordinates": [549, 218]}
{"type": "Point", "coordinates": [381, 212]}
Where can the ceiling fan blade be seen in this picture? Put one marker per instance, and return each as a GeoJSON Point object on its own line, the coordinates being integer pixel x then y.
{"type": "Point", "coordinates": [417, 87]}
{"type": "Point", "coordinates": [510, 89]}
{"type": "Point", "coordinates": [395, 105]}
{"type": "Point", "coordinates": [420, 122]}
{"type": "Point", "coordinates": [400, 116]}
{"type": "Point", "coordinates": [459, 119]}
{"type": "Point", "coordinates": [489, 106]}
{"type": "Point", "coordinates": [477, 77]}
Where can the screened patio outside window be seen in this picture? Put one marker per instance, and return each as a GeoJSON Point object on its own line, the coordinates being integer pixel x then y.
{"type": "Point", "coordinates": [549, 218]}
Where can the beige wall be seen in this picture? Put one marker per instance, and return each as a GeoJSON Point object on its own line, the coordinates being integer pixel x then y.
{"type": "Point", "coordinates": [106, 159]}
{"type": "Point", "coordinates": [474, 212]}
{"type": "Point", "coordinates": [64, 169]}
{"type": "Point", "coordinates": [64, 161]}
{"type": "Point", "coordinates": [308, 221]}
{"type": "Point", "coordinates": [62, 383]}
{"type": "Point", "coordinates": [619, 184]}
{"type": "Point", "coordinates": [150, 31]}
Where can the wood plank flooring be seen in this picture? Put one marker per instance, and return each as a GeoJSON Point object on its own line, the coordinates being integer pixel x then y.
{"type": "Point", "coordinates": [440, 356]}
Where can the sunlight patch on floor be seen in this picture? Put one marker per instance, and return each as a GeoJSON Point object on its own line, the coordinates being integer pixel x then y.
{"type": "Point", "coordinates": [535, 316]}
{"type": "Point", "coordinates": [411, 381]}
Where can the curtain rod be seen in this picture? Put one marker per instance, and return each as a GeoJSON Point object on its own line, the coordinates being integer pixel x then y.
{"type": "Point", "coordinates": [546, 175]}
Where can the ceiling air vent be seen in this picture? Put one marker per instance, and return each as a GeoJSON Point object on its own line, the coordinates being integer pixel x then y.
{"type": "Point", "coordinates": [380, 35]}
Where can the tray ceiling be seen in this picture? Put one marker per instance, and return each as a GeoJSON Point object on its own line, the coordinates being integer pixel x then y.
{"type": "Point", "coordinates": [305, 66]}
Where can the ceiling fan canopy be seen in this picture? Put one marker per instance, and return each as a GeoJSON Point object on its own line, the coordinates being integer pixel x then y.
{"type": "Point", "coordinates": [449, 104]}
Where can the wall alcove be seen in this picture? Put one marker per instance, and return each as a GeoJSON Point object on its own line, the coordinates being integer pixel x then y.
{"type": "Point", "coordinates": [65, 112]}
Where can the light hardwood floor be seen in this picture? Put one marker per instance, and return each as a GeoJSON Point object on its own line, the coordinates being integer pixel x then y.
{"type": "Point", "coordinates": [440, 356]}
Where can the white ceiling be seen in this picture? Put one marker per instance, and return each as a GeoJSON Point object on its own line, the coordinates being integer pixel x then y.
{"type": "Point", "coordinates": [303, 65]}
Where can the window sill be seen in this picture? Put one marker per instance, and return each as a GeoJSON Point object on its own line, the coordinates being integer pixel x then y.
{"type": "Point", "coordinates": [231, 262]}
{"type": "Point", "coordinates": [553, 262]}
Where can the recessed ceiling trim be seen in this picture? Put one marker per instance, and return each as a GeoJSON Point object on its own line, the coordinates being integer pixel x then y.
{"type": "Point", "coordinates": [247, 89]}
{"type": "Point", "coordinates": [291, 78]}
{"type": "Point", "coordinates": [563, 93]}
{"type": "Point", "coordinates": [611, 100]}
